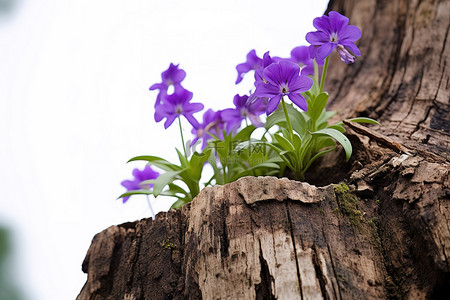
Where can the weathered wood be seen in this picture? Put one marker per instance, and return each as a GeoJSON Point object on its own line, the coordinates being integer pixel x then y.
{"type": "Point", "coordinates": [385, 233]}
{"type": "Point", "coordinates": [403, 76]}
{"type": "Point", "coordinates": [297, 242]}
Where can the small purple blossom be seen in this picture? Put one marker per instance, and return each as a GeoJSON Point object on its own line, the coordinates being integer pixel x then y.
{"type": "Point", "coordinates": [244, 108]}
{"type": "Point", "coordinates": [267, 61]}
{"type": "Point", "coordinates": [175, 105]}
{"type": "Point", "coordinates": [212, 123]}
{"type": "Point", "coordinates": [333, 32]}
{"type": "Point", "coordinates": [283, 79]}
{"type": "Point", "coordinates": [173, 76]}
{"type": "Point", "coordinates": [300, 55]}
{"type": "Point", "coordinates": [253, 63]}
{"type": "Point", "coordinates": [139, 176]}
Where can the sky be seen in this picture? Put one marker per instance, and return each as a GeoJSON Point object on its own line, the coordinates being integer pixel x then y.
{"type": "Point", "coordinates": [75, 106]}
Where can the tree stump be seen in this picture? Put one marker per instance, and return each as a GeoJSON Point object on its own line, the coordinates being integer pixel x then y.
{"type": "Point", "coordinates": [376, 227]}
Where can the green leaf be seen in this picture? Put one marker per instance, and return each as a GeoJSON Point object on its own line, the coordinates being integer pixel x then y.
{"type": "Point", "coordinates": [217, 171]}
{"type": "Point", "coordinates": [284, 143]}
{"type": "Point", "coordinates": [364, 120]}
{"type": "Point", "coordinates": [323, 142]}
{"type": "Point", "coordinates": [197, 162]}
{"type": "Point", "coordinates": [297, 142]}
{"type": "Point", "coordinates": [322, 122]}
{"type": "Point", "coordinates": [317, 105]}
{"type": "Point", "coordinates": [338, 127]}
{"type": "Point", "coordinates": [177, 189]}
{"type": "Point", "coordinates": [315, 89]}
{"type": "Point", "coordinates": [268, 165]}
{"type": "Point", "coordinates": [163, 180]}
{"type": "Point", "coordinates": [245, 133]}
{"type": "Point", "coordinates": [342, 139]}
{"type": "Point", "coordinates": [277, 150]}
{"type": "Point", "coordinates": [321, 153]}
{"type": "Point", "coordinates": [178, 204]}
{"type": "Point", "coordinates": [157, 161]}
{"type": "Point", "coordinates": [136, 192]}
{"type": "Point", "coordinates": [182, 158]}
{"type": "Point", "coordinates": [297, 118]}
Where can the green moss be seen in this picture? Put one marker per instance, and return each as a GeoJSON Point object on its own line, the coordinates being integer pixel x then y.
{"type": "Point", "coordinates": [348, 203]}
{"type": "Point", "coordinates": [168, 244]}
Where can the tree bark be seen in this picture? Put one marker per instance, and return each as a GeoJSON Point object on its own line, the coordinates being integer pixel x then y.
{"type": "Point", "coordinates": [376, 227]}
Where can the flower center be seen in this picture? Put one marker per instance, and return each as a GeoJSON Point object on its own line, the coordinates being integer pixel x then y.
{"type": "Point", "coordinates": [334, 38]}
{"type": "Point", "coordinates": [244, 112]}
{"type": "Point", "coordinates": [179, 109]}
{"type": "Point", "coordinates": [284, 89]}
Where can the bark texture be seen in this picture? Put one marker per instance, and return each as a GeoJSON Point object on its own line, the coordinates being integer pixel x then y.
{"type": "Point", "coordinates": [376, 227]}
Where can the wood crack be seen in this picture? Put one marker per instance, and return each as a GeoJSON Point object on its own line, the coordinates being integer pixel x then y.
{"type": "Point", "coordinates": [291, 225]}
{"type": "Point", "coordinates": [264, 288]}
{"type": "Point", "coordinates": [444, 44]}
{"type": "Point", "coordinates": [319, 273]}
{"type": "Point", "coordinates": [334, 271]}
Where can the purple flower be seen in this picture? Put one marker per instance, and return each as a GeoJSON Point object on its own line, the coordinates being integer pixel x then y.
{"type": "Point", "coordinates": [283, 79]}
{"type": "Point", "coordinates": [175, 105]}
{"type": "Point", "coordinates": [139, 176]}
{"type": "Point", "coordinates": [333, 32]}
{"type": "Point", "coordinates": [212, 123]}
{"type": "Point", "coordinates": [267, 61]}
{"type": "Point", "coordinates": [233, 117]}
{"type": "Point", "coordinates": [300, 55]}
{"type": "Point", "coordinates": [253, 63]}
{"type": "Point", "coordinates": [172, 76]}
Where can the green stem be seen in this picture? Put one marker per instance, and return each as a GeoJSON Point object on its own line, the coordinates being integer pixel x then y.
{"type": "Point", "coordinates": [182, 138]}
{"type": "Point", "coordinates": [324, 73]}
{"type": "Point", "coordinates": [316, 71]}
{"type": "Point", "coordinates": [291, 132]}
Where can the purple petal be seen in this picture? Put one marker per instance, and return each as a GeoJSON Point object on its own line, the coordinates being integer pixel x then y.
{"type": "Point", "coordinates": [255, 120]}
{"type": "Point", "coordinates": [159, 114]}
{"type": "Point", "coordinates": [281, 72]}
{"type": "Point", "coordinates": [191, 108]}
{"type": "Point", "coordinates": [191, 119]}
{"type": "Point", "coordinates": [345, 56]}
{"type": "Point", "coordinates": [300, 84]}
{"type": "Point", "coordinates": [337, 21]}
{"type": "Point", "coordinates": [239, 101]}
{"type": "Point", "coordinates": [288, 70]}
{"type": "Point", "coordinates": [322, 24]}
{"type": "Point", "coordinates": [307, 70]}
{"type": "Point", "coordinates": [243, 68]}
{"type": "Point", "coordinates": [130, 185]}
{"type": "Point", "coordinates": [351, 33]}
{"type": "Point", "coordinates": [273, 104]}
{"type": "Point", "coordinates": [229, 114]}
{"type": "Point", "coordinates": [312, 51]}
{"type": "Point", "coordinates": [266, 90]}
{"type": "Point", "coordinates": [317, 38]}
{"type": "Point", "coordinates": [300, 54]}
{"type": "Point", "coordinates": [158, 86]}
{"type": "Point", "coordinates": [352, 47]}
{"type": "Point", "coordinates": [325, 50]}
{"type": "Point", "coordinates": [298, 100]}
{"type": "Point", "coordinates": [169, 120]}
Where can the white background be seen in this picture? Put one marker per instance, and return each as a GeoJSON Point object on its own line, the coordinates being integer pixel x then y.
{"type": "Point", "coordinates": [75, 106]}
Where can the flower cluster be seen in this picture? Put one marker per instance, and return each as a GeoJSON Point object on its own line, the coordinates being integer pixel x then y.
{"type": "Point", "coordinates": [172, 106]}
{"type": "Point", "coordinates": [299, 132]}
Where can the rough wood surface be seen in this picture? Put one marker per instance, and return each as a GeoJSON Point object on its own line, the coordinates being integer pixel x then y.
{"type": "Point", "coordinates": [297, 242]}
{"type": "Point", "coordinates": [383, 234]}
{"type": "Point", "coordinates": [403, 76]}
